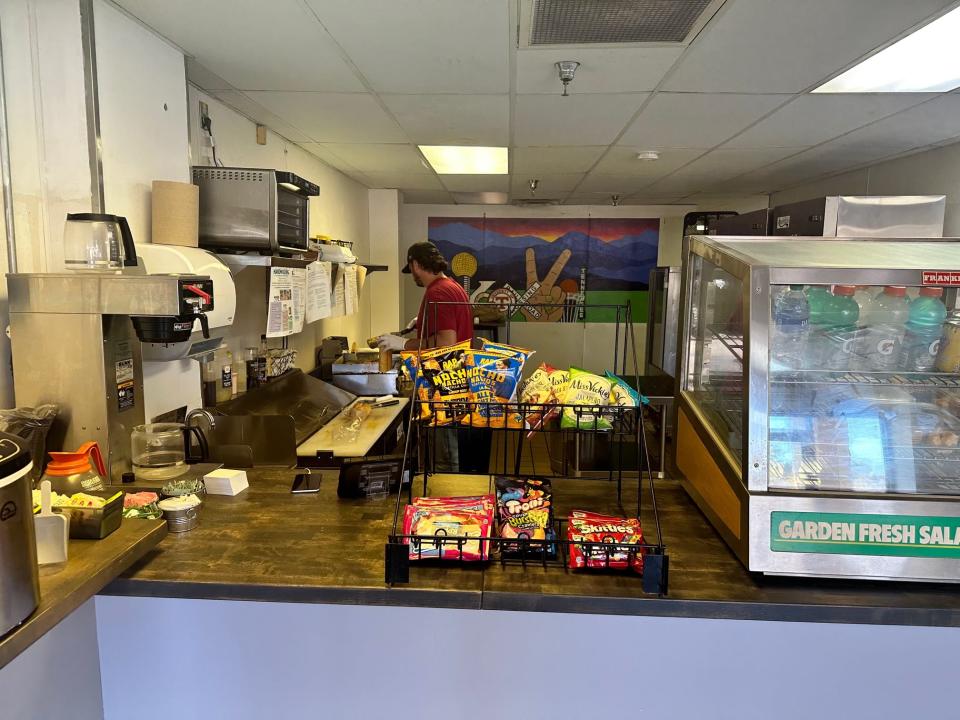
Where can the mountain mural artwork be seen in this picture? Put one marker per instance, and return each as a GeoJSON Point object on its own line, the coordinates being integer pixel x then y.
{"type": "Point", "coordinates": [550, 269]}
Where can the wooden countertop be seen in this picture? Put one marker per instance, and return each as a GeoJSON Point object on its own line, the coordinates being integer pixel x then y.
{"type": "Point", "coordinates": [90, 565]}
{"type": "Point", "coordinates": [267, 544]}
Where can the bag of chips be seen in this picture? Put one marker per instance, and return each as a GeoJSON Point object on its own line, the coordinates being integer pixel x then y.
{"type": "Point", "coordinates": [525, 510]}
{"type": "Point", "coordinates": [444, 370]}
{"type": "Point", "coordinates": [449, 528]}
{"type": "Point", "coordinates": [521, 353]}
{"type": "Point", "coordinates": [590, 392]}
{"type": "Point", "coordinates": [493, 379]}
{"type": "Point", "coordinates": [422, 390]}
{"type": "Point", "coordinates": [616, 541]}
{"type": "Point", "coordinates": [621, 394]}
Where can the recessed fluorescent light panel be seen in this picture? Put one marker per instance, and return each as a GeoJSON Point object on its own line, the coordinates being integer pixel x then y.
{"type": "Point", "coordinates": [924, 61]}
{"type": "Point", "coordinates": [455, 160]}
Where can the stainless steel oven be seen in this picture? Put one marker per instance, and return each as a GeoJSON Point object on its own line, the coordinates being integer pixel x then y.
{"type": "Point", "coordinates": [253, 210]}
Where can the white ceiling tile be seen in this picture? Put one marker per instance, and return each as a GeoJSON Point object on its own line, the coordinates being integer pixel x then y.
{"type": "Point", "coordinates": [621, 160]}
{"type": "Point", "coordinates": [642, 199]}
{"type": "Point", "coordinates": [773, 47]}
{"type": "Point", "coordinates": [696, 120]}
{"type": "Point", "coordinates": [602, 70]}
{"type": "Point", "coordinates": [813, 119]}
{"type": "Point", "coordinates": [548, 186]}
{"type": "Point", "coordinates": [573, 120]}
{"type": "Point", "coordinates": [613, 184]}
{"type": "Point", "coordinates": [378, 157]}
{"type": "Point", "coordinates": [427, 197]}
{"type": "Point", "coordinates": [452, 119]}
{"type": "Point", "coordinates": [682, 185]}
{"type": "Point", "coordinates": [571, 159]}
{"type": "Point", "coordinates": [256, 112]}
{"type": "Point", "coordinates": [476, 183]}
{"type": "Point", "coordinates": [918, 126]}
{"type": "Point", "coordinates": [203, 78]}
{"type": "Point", "coordinates": [329, 158]}
{"type": "Point", "coordinates": [424, 46]}
{"type": "Point", "coordinates": [253, 45]}
{"type": "Point", "coordinates": [404, 181]}
{"type": "Point", "coordinates": [333, 117]}
{"type": "Point", "coordinates": [726, 163]}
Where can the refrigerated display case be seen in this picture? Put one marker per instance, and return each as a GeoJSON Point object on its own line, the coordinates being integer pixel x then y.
{"type": "Point", "coordinates": [820, 451]}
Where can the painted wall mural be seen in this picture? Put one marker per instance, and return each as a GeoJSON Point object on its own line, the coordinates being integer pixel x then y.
{"type": "Point", "coordinates": [567, 262]}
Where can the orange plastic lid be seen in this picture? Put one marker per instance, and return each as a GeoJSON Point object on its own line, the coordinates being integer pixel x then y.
{"type": "Point", "coordinates": [65, 463]}
{"type": "Point", "coordinates": [87, 457]}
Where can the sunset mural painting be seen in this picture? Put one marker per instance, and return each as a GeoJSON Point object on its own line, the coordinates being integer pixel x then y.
{"type": "Point", "coordinates": [563, 262]}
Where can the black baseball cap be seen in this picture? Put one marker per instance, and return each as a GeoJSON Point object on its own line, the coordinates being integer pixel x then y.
{"type": "Point", "coordinates": [425, 253]}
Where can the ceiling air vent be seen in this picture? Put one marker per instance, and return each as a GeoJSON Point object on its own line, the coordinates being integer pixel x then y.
{"type": "Point", "coordinates": [584, 22]}
{"type": "Point", "coordinates": [535, 202]}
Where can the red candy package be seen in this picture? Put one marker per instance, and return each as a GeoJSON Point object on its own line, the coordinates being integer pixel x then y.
{"type": "Point", "coordinates": [456, 517]}
{"type": "Point", "coordinates": [616, 534]}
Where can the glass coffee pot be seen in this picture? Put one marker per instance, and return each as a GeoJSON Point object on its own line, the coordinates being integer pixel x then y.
{"type": "Point", "coordinates": [98, 242]}
{"type": "Point", "coordinates": [161, 451]}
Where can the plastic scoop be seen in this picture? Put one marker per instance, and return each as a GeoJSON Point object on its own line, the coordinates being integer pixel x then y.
{"type": "Point", "coordinates": [52, 529]}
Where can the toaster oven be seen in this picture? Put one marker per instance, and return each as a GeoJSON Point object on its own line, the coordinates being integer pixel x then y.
{"type": "Point", "coordinates": [253, 210]}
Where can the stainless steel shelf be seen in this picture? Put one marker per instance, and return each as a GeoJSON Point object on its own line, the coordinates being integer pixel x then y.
{"type": "Point", "coordinates": [237, 262]}
{"type": "Point", "coordinates": [856, 377]}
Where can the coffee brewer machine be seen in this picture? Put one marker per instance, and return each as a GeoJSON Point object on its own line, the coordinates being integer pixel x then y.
{"type": "Point", "coordinates": [74, 345]}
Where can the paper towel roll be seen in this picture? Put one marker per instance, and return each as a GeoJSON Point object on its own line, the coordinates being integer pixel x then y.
{"type": "Point", "coordinates": [176, 207]}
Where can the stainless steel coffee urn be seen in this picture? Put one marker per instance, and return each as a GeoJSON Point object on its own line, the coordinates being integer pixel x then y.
{"type": "Point", "coordinates": [19, 584]}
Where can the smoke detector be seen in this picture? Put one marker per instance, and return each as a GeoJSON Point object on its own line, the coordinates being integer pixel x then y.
{"type": "Point", "coordinates": [567, 69]}
{"type": "Point", "coordinates": [648, 155]}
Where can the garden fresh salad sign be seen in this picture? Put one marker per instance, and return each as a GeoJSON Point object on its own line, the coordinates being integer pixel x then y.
{"type": "Point", "coordinates": [846, 534]}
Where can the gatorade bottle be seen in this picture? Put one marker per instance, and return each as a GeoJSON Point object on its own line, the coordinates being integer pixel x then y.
{"type": "Point", "coordinates": [888, 315]}
{"type": "Point", "coordinates": [865, 296]}
{"type": "Point", "coordinates": [819, 300]}
{"type": "Point", "coordinates": [791, 314]}
{"type": "Point", "coordinates": [843, 316]}
{"type": "Point", "coordinates": [921, 342]}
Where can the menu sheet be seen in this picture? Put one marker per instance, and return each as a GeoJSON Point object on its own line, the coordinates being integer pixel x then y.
{"type": "Point", "coordinates": [338, 299]}
{"type": "Point", "coordinates": [318, 291]}
{"type": "Point", "coordinates": [286, 301]}
{"type": "Point", "coordinates": [350, 290]}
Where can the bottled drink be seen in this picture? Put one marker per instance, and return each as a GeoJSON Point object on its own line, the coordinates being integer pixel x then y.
{"type": "Point", "coordinates": [239, 374]}
{"type": "Point", "coordinates": [791, 315]}
{"type": "Point", "coordinates": [842, 333]}
{"type": "Point", "coordinates": [819, 301]}
{"type": "Point", "coordinates": [251, 360]}
{"type": "Point", "coordinates": [865, 295]}
{"type": "Point", "coordinates": [881, 340]}
{"type": "Point", "coordinates": [921, 341]}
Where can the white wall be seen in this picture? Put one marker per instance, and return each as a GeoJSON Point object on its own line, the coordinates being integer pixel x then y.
{"type": "Point", "coordinates": [383, 287]}
{"type": "Point", "coordinates": [282, 660]}
{"type": "Point", "coordinates": [341, 211]}
{"type": "Point", "coordinates": [59, 675]}
{"type": "Point", "coordinates": [934, 172]}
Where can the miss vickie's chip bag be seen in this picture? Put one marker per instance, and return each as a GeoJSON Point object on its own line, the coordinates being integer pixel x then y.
{"type": "Point", "coordinates": [590, 392]}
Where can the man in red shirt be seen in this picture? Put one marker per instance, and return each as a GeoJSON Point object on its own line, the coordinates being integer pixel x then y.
{"type": "Point", "coordinates": [445, 317]}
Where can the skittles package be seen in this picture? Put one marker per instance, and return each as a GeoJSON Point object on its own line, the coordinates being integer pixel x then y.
{"type": "Point", "coordinates": [525, 510]}
{"type": "Point", "coordinates": [591, 392]}
{"type": "Point", "coordinates": [616, 541]}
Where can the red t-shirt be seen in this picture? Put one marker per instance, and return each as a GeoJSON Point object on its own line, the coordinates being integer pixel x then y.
{"type": "Point", "coordinates": [458, 318]}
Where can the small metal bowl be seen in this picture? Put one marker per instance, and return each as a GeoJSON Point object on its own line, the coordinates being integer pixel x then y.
{"type": "Point", "coordinates": [182, 520]}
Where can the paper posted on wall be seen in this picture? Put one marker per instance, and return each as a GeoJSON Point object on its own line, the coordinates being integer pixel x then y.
{"type": "Point", "coordinates": [351, 293]}
{"type": "Point", "coordinates": [338, 300]}
{"type": "Point", "coordinates": [318, 291]}
{"type": "Point", "coordinates": [286, 301]}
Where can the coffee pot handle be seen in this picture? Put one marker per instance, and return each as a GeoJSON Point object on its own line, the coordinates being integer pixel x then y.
{"type": "Point", "coordinates": [129, 250]}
